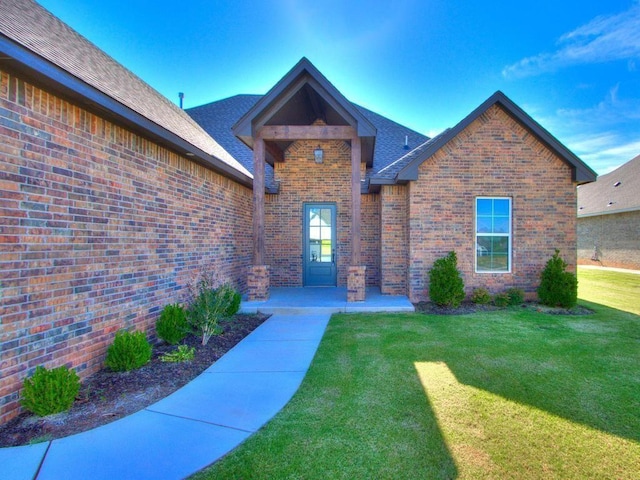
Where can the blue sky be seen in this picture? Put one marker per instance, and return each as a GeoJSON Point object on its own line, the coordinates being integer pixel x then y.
{"type": "Point", "coordinates": [574, 66]}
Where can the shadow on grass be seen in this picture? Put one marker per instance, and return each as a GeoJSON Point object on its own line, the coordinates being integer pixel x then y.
{"type": "Point", "coordinates": [583, 369]}
{"type": "Point", "coordinates": [491, 437]}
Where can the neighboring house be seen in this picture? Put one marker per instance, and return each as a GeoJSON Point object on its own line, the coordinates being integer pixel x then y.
{"type": "Point", "coordinates": [112, 198]}
{"type": "Point", "coordinates": [609, 219]}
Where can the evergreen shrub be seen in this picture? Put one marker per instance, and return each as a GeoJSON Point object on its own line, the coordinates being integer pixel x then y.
{"type": "Point", "coordinates": [558, 288]}
{"type": "Point", "coordinates": [172, 326]}
{"type": "Point", "coordinates": [446, 287]}
{"type": "Point", "coordinates": [128, 351]}
{"type": "Point", "coordinates": [516, 296]}
{"type": "Point", "coordinates": [50, 391]}
{"type": "Point", "coordinates": [501, 299]}
{"type": "Point", "coordinates": [481, 296]}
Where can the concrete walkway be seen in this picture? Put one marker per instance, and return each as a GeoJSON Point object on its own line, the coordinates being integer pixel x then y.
{"type": "Point", "coordinates": [194, 426]}
{"type": "Point", "coordinates": [210, 416]}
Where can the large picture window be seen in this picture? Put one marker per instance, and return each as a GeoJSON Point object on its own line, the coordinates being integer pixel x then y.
{"type": "Point", "coordinates": [493, 234]}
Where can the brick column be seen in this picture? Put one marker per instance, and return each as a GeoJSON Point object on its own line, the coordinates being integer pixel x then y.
{"type": "Point", "coordinates": [356, 283]}
{"type": "Point", "coordinates": [258, 283]}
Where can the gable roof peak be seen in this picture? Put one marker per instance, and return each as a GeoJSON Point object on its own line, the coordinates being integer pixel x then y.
{"type": "Point", "coordinates": [303, 74]}
{"type": "Point", "coordinates": [582, 173]}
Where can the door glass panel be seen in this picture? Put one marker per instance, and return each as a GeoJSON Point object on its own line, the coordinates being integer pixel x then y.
{"type": "Point", "coordinates": [320, 229]}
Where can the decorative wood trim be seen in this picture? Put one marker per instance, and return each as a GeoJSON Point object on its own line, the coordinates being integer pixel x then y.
{"type": "Point", "coordinates": [356, 218]}
{"type": "Point", "coordinates": [258, 201]}
{"type": "Point", "coordinates": [307, 132]}
{"type": "Point", "coordinates": [275, 152]}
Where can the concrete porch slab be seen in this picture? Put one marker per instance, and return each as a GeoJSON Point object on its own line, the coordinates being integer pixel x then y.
{"type": "Point", "coordinates": [327, 300]}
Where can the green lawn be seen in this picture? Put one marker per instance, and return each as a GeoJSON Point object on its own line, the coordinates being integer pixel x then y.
{"type": "Point", "coordinates": [509, 394]}
{"type": "Point", "coordinates": [614, 289]}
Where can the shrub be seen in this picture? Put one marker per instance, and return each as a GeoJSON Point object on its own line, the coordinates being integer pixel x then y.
{"type": "Point", "coordinates": [172, 325]}
{"type": "Point", "coordinates": [209, 300]}
{"type": "Point", "coordinates": [558, 288]}
{"type": "Point", "coordinates": [204, 313]}
{"type": "Point", "coordinates": [128, 351]}
{"type": "Point", "coordinates": [501, 299]}
{"type": "Point", "coordinates": [516, 296]}
{"type": "Point", "coordinates": [50, 391]}
{"type": "Point", "coordinates": [446, 287]}
{"type": "Point", "coordinates": [209, 307]}
{"type": "Point", "coordinates": [183, 353]}
{"type": "Point", "coordinates": [481, 296]}
{"type": "Point", "coordinates": [234, 298]}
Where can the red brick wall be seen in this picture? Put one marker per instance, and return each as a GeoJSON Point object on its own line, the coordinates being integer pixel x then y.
{"type": "Point", "coordinates": [395, 240]}
{"type": "Point", "coordinates": [617, 237]}
{"type": "Point", "coordinates": [99, 229]}
{"type": "Point", "coordinates": [494, 156]}
{"type": "Point", "coordinates": [304, 181]}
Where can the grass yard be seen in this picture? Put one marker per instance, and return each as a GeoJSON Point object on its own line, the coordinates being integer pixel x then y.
{"type": "Point", "coordinates": [507, 394]}
{"type": "Point", "coordinates": [612, 288]}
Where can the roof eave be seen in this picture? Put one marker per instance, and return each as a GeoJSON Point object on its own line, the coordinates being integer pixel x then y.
{"type": "Point", "coordinates": [609, 212]}
{"type": "Point", "coordinates": [44, 73]}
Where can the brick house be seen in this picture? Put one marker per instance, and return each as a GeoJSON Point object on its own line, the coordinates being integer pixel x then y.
{"type": "Point", "coordinates": [112, 198]}
{"type": "Point", "coordinates": [609, 219]}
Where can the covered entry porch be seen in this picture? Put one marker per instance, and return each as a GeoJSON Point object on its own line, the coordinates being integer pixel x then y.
{"type": "Point", "coordinates": [311, 148]}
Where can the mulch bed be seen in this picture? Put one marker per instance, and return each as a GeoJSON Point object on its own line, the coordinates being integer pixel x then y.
{"type": "Point", "coordinates": [107, 396]}
{"type": "Point", "coordinates": [469, 307]}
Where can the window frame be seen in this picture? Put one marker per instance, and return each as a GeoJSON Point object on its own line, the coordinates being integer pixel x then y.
{"type": "Point", "coordinates": [508, 235]}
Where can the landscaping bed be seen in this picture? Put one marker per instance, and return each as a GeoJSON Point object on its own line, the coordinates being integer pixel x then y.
{"type": "Point", "coordinates": [107, 396]}
{"type": "Point", "coordinates": [467, 308]}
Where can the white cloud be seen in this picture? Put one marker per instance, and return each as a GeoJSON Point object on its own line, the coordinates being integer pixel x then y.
{"type": "Point", "coordinates": [605, 151]}
{"type": "Point", "coordinates": [604, 135]}
{"type": "Point", "coordinates": [605, 38]}
{"type": "Point", "coordinates": [614, 109]}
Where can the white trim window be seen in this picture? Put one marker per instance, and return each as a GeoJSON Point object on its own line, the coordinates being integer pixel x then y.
{"type": "Point", "coordinates": [493, 235]}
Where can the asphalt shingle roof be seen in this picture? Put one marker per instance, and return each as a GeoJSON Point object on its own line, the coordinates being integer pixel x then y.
{"type": "Point", "coordinates": [28, 24]}
{"type": "Point", "coordinates": [614, 192]}
{"type": "Point", "coordinates": [218, 117]}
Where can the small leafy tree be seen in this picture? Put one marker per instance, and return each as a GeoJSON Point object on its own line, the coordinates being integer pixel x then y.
{"type": "Point", "coordinates": [558, 288]}
{"type": "Point", "coordinates": [210, 305]}
{"type": "Point", "coordinates": [50, 391]}
{"type": "Point", "coordinates": [446, 287]}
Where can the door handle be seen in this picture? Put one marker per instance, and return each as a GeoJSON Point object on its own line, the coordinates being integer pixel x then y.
{"type": "Point", "coordinates": [333, 256]}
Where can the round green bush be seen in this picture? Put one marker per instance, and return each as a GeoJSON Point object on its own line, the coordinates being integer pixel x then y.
{"type": "Point", "coordinates": [234, 303]}
{"type": "Point", "coordinates": [558, 288]}
{"type": "Point", "coordinates": [481, 296]}
{"type": "Point", "coordinates": [50, 391]}
{"type": "Point", "coordinates": [501, 299]}
{"type": "Point", "coordinates": [128, 351]}
{"type": "Point", "coordinates": [229, 298]}
{"type": "Point", "coordinates": [446, 287]}
{"type": "Point", "coordinates": [172, 326]}
{"type": "Point", "coordinates": [516, 296]}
